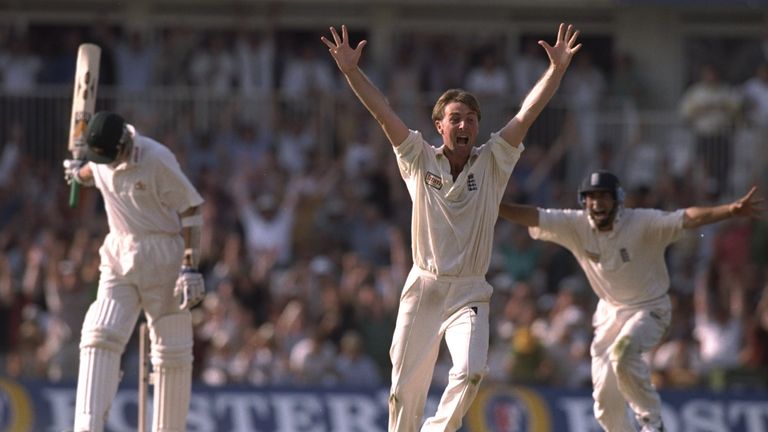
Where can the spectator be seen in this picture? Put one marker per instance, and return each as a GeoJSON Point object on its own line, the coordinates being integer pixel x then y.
{"type": "Point", "coordinates": [135, 62]}
{"type": "Point", "coordinates": [354, 367]}
{"type": "Point", "coordinates": [751, 161]}
{"type": "Point", "coordinates": [709, 108]}
{"type": "Point", "coordinates": [20, 67]}
{"type": "Point", "coordinates": [312, 360]}
{"type": "Point", "coordinates": [213, 67]}
{"type": "Point", "coordinates": [719, 309]}
{"type": "Point", "coordinates": [267, 220]}
{"type": "Point", "coordinates": [583, 90]}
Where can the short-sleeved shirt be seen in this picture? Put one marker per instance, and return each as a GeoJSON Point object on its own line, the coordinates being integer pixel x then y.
{"type": "Point", "coordinates": [453, 221]}
{"type": "Point", "coordinates": [624, 266]}
{"type": "Point", "coordinates": [145, 194]}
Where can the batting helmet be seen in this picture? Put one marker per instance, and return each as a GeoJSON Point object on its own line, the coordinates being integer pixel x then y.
{"type": "Point", "coordinates": [104, 137]}
{"type": "Point", "coordinates": [601, 181]}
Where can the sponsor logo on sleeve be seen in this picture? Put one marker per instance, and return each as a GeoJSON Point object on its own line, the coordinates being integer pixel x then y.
{"type": "Point", "coordinates": [434, 180]}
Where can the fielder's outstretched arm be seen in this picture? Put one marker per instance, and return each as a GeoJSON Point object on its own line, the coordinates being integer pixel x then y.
{"type": "Point", "coordinates": [746, 206]}
{"type": "Point", "coordinates": [347, 60]}
{"type": "Point", "coordinates": [560, 57]}
{"type": "Point", "coordinates": [520, 214]}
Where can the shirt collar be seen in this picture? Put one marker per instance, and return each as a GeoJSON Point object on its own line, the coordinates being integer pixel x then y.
{"type": "Point", "coordinates": [474, 152]}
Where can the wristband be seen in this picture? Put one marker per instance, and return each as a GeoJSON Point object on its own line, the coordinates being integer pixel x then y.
{"type": "Point", "coordinates": [192, 221]}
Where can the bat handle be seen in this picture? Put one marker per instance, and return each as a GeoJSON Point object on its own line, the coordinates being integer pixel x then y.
{"type": "Point", "coordinates": [74, 192]}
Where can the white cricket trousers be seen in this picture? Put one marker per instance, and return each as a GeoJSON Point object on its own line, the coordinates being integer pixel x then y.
{"type": "Point", "coordinates": [433, 307]}
{"type": "Point", "coordinates": [137, 274]}
{"type": "Point", "coordinates": [620, 374]}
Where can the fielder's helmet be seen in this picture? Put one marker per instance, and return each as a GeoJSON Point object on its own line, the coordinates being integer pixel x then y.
{"type": "Point", "coordinates": [601, 181]}
{"type": "Point", "coordinates": [104, 137]}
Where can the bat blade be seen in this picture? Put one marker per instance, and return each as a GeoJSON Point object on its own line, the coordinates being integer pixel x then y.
{"type": "Point", "coordinates": [83, 103]}
{"type": "Point", "coordinates": [84, 95]}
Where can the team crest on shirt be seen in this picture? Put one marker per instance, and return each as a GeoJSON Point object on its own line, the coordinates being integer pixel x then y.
{"type": "Point", "coordinates": [433, 180]}
{"type": "Point", "coordinates": [624, 255]}
{"type": "Point", "coordinates": [471, 182]}
{"type": "Point", "coordinates": [594, 257]}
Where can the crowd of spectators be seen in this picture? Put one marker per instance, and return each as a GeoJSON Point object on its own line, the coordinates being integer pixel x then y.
{"type": "Point", "coordinates": [305, 249]}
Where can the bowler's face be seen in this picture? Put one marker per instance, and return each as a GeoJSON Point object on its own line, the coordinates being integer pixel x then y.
{"type": "Point", "coordinates": [458, 128]}
{"type": "Point", "coordinates": [601, 208]}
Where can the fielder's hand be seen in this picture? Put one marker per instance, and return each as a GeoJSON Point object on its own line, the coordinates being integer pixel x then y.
{"type": "Point", "coordinates": [190, 287]}
{"type": "Point", "coordinates": [72, 171]}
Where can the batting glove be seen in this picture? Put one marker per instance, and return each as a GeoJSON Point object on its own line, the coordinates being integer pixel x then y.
{"type": "Point", "coordinates": [190, 287]}
{"type": "Point", "coordinates": [72, 171]}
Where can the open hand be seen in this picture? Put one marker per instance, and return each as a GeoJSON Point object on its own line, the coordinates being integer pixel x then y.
{"type": "Point", "coordinates": [748, 205]}
{"type": "Point", "coordinates": [565, 47]}
{"type": "Point", "coordinates": [346, 57]}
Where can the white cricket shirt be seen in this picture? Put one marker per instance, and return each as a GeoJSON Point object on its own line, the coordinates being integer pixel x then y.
{"type": "Point", "coordinates": [453, 222]}
{"type": "Point", "coordinates": [144, 195]}
{"type": "Point", "coordinates": [624, 266]}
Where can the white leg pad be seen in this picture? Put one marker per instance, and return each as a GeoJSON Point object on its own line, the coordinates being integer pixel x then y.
{"type": "Point", "coordinates": [106, 329]}
{"type": "Point", "coordinates": [171, 357]}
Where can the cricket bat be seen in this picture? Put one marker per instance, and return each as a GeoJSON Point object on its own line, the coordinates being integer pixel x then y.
{"type": "Point", "coordinates": [83, 104]}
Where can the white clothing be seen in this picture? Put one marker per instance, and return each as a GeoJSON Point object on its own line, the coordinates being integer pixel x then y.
{"type": "Point", "coordinates": [302, 77]}
{"type": "Point", "coordinates": [720, 343]}
{"type": "Point", "coordinates": [756, 93]}
{"type": "Point", "coordinates": [264, 235]}
{"type": "Point", "coordinates": [624, 266]}
{"type": "Point", "coordinates": [446, 294]}
{"type": "Point", "coordinates": [453, 221]}
{"type": "Point", "coordinates": [709, 108]}
{"type": "Point", "coordinates": [140, 260]}
{"type": "Point", "coordinates": [494, 82]}
{"type": "Point", "coordinates": [626, 269]}
{"type": "Point", "coordinates": [145, 194]}
{"type": "Point", "coordinates": [255, 60]}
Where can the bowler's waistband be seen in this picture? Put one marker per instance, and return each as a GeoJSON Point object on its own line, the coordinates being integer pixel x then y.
{"type": "Point", "coordinates": [445, 278]}
{"type": "Point", "coordinates": [125, 236]}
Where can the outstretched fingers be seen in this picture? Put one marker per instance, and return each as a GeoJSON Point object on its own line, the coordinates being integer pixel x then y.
{"type": "Point", "coordinates": [572, 41]}
{"type": "Point", "coordinates": [751, 203]}
{"type": "Point", "coordinates": [568, 34]}
{"type": "Point", "coordinates": [750, 193]}
{"type": "Point", "coordinates": [345, 34]}
{"type": "Point", "coordinates": [337, 41]}
{"type": "Point", "coordinates": [327, 43]}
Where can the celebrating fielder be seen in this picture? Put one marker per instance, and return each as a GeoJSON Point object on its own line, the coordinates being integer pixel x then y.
{"type": "Point", "coordinates": [622, 254]}
{"type": "Point", "coordinates": [154, 231]}
{"type": "Point", "coordinates": [456, 190]}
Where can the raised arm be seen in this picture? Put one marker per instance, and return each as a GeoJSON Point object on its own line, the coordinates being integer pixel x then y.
{"type": "Point", "coordinates": [347, 60]}
{"type": "Point", "coordinates": [519, 214]}
{"type": "Point", "coordinates": [559, 58]}
{"type": "Point", "coordinates": [746, 206]}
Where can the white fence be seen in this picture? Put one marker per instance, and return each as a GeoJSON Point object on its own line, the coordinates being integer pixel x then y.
{"type": "Point", "coordinates": [641, 146]}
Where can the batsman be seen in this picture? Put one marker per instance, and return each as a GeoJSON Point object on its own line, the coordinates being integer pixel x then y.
{"type": "Point", "coordinates": [149, 264]}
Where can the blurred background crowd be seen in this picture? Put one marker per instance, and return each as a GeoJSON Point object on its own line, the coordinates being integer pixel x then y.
{"type": "Point", "coordinates": [307, 222]}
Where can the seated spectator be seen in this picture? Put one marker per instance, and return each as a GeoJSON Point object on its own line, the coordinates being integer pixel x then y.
{"type": "Point", "coordinates": [354, 366]}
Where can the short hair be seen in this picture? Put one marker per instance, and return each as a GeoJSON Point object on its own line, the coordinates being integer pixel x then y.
{"type": "Point", "coordinates": [454, 95]}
